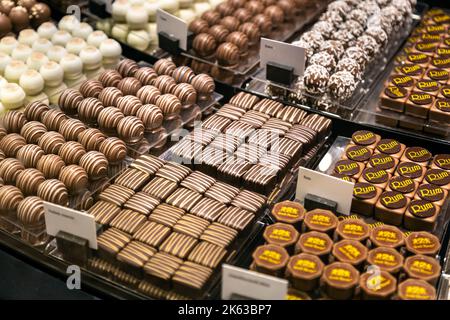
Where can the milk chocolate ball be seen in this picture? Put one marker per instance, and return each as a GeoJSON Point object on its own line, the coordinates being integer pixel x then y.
{"type": "Point", "coordinates": [5, 25]}
{"type": "Point", "coordinates": [19, 18]}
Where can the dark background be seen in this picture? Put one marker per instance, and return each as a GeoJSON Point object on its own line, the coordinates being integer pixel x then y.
{"type": "Point", "coordinates": [439, 3]}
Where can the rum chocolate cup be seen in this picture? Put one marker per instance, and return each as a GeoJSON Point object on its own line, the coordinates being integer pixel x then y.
{"type": "Point", "coordinates": [422, 243]}
{"type": "Point", "coordinates": [411, 170]}
{"type": "Point", "coordinates": [270, 259]}
{"type": "Point", "coordinates": [384, 162]}
{"type": "Point", "coordinates": [441, 161]}
{"type": "Point", "coordinates": [283, 235]}
{"type": "Point", "coordinates": [423, 268]}
{"type": "Point", "coordinates": [386, 236]}
{"type": "Point", "coordinates": [413, 289]}
{"type": "Point", "coordinates": [386, 259]}
{"type": "Point", "coordinates": [391, 207]}
{"type": "Point", "coordinates": [365, 138]}
{"type": "Point", "coordinates": [432, 193]}
{"type": "Point", "coordinates": [403, 185]}
{"type": "Point", "coordinates": [377, 286]}
{"type": "Point", "coordinates": [304, 271]}
{"type": "Point", "coordinates": [289, 212]}
{"type": "Point", "coordinates": [391, 147]}
{"type": "Point", "coordinates": [339, 280]}
{"type": "Point", "coordinates": [421, 215]}
{"type": "Point", "coordinates": [394, 98]}
{"type": "Point", "coordinates": [365, 196]}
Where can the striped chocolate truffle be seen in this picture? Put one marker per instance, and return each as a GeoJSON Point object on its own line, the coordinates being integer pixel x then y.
{"type": "Point", "coordinates": [183, 74]}
{"type": "Point", "coordinates": [29, 155]}
{"type": "Point", "coordinates": [148, 94]}
{"type": "Point", "coordinates": [165, 84]}
{"type": "Point", "coordinates": [11, 144]}
{"type": "Point", "coordinates": [10, 168]}
{"type": "Point", "coordinates": [203, 84]}
{"type": "Point", "coordinates": [219, 32]}
{"type": "Point", "coordinates": [2, 155]}
{"type": "Point", "coordinates": [169, 104]}
{"type": "Point", "coordinates": [110, 78]}
{"type": "Point", "coordinates": [129, 86]}
{"type": "Point", "coordinates": [114, 149]}
{"type": "Point", "coordinates": [53, 191]}
{"type": "Point", "coordinates": [109, 96]}
{"type": "Point", "coordinates": [50, 165]}
{"type": "Point", "coordinates": [13, 121]}
{"type": "Point", "coordinates": [71, 128]}
{"type": "Point", "coordinates": [211, 16]}
{"type": "Point", "coordinates": [51, 142]}
{"type": "Point", "coordinates": [95, 164]}
{"type": "Point", "coordinates": [198, 26]}
{"type": "Point", "coordinates": [240, 40]}
{"type": "Point", "coordinates": [82, 200]}
{"type": "Point", "coordinates": [10, 197]}
{"type": "Point", "coordinates": [146, 75]}
{"type": "Point", "coordinates": [230, 22]}
{"type": "Point", "coordinates": [151, 116]}
{"type": "Point", "coordinates": [69, 100]}
{"type": "Point", "coordinates": [32, 131]}
{"type": "Point", "coordinates": [52, 119]}
{"type": "Point", "coordinates": [204, 44]}
{"type": "Point", "coordinates": [227, 54]}
{"type": "Point", "coordinates": [251, 30]}
{"type": "Point", "coordinates": [74, 178]}
{"type": "Point", "coordinates": [164, 67]}
{"type": "Point", "coordinates": [108, 118]}
{"type": "Point", "coordinates": [34, 110]}
{"type": "Point", "coordinates": [129, 105]}
{"type": "Point", "coordinates": [186, 93]}
{"type": "Point", "coordinates": [91, 88]}
{"type": "Point", "coordinates": [130, 129]}
{"type": "Point", "coordinates": [127, 68]}
{"type": "Point", "coordinates": [89, 109]}
{"type": "Point", "coordinates": [71, 152]}
{"type": "Point", "coordinates": [29, 180]}
{"type": "Point", "coordinates": [30, 211]}
{"type": "Point", "coordinates": [91, 139]}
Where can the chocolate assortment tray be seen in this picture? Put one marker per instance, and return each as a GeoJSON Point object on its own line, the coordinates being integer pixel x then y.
{"type": "Point", "coordinates": [348, 95]}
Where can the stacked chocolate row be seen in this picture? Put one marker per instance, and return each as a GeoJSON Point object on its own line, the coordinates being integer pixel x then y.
{"type": "Point", "coordinates": [396, 184]}
{"type": "Point", "coordinates": [22, 14]}
{"type": "Point", "coordinates": [226, 33]}
{"type": "Point", "coordinates": [251, 142]}
{"type": "Point", "coordinates": [170, 225]}
{"type": "Point", "coordinates": [324, 257]}
{"type": "Point", "coordinates": [343, 43]}
{"type": "Point", "coordinates": [39, 65]}
{"type": "Point", "coordinates": [136, 100]}
{"type": "Point", "coordinates": [419, 85]}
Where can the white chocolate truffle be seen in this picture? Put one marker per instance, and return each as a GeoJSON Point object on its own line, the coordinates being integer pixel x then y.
{"type": "Point", "coordinates": [75, 45]}
{"type": "Point", "coordinates": [151, 6]}
{"type": "Point", "coordinates": [28, 37]}
{"type": "Point", "coordinates": [61, 38]}
{"type": "Point", "coordinates": [36, 60]}
{"type": "Point", "coordinates": [137, 17]}
{"type": "Point", "coordinates": [69, 23]}
{"type": "Point", "coordinates": [14, 70]}
{"type": "Point", "coordinates": [119, 10]}
{"type": "Point", "coordinates": [42, 45]}
{"type": "Point", "coordinates": [8, 44]}
{"type": "Point", "coordinates": [32, 82]}
{"type": "Point", "coordinates": [184, 4]}
{"type": "Point", "coordinates": [12, 96]}
{"type": "Point", "coordinates": [56, 53]}
{"type": "Point", "coordinates": [91, 58]}
{"type": "Point", "coordinates": [96, 38]}
{"type": "Point", "coordinates": [187, 15]}
{"type": "Point", "coordinates": [72, 66]}
{"type": "Point", "coordinates": [103, 25]}
{"type": "Point", "coordinates": [110, 48]}
{"type": "Point", "coordinates": [21, 52]}
{"type": "Point", "coordinates": [201, 7]}
{"type": "Point", "coordinates": [3, 82]}
{"type": "Point", "coordinates": [120, 32]}
{"type": "Point", "coordinates": [171, 6]}
{"type": "Point", "coordinates": [4, 61]}
{"type": "Point", "coordinates": [139, 39]}
{"type": "Point", "coordinates": [47, 30]}
{"type": "Point", "coordinates": [52, 73]}
{"type": "Point", "coordinates": [140, 2]}
{"type": "Point", "coordinates": [83, 31]}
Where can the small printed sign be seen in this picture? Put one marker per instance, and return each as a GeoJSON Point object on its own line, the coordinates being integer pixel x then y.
{"type": "Point", "coordinates": [77, 223]}
{"type": "Point", "coordinates": [325, 186]}
{"type": "Point", "coordinates": [173, 26]}
{"type": "Point", "coordinates": [283, 53]}
{"type": "Point", "coordinates": [253, 285]}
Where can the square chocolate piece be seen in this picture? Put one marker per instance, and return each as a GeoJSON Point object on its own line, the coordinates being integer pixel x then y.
{"type": "Point", "coordinates": [116, 195]}
{"type": "Point", "coordinates": [264, 138]}
{"type": "Point", "coordinates": [375, 176]}
{"type": "Point", "coordinates": [291, 114]}
{"type": "Point", "coordinates": [240, 130]}
{"type": "Point", "coordinates": [216, 123]}
{"type": "Point", "coordinates": [268, 106]}
{"type": "Point", "coordinates": [184, 198]}
{"type": "Point", "coordinates": [431, 193]}
{"type": "Point", "coordinates": [198, 182]}
{"type": "Point", "coordinates": [236, 218]}
{"type": "Point", "coordinates": [255, 118]}
{"type": "Point", "coordinates": [219, 234]}
{"type": "Point", "coordinates": [401, 81]}
{"type": "Point", "coordinates": [437, 74]}
{"type": "Point", "coordinates": [261, 179]}
{"type": "Point", "coordinates": [161, 267]}
{"type": "Point", "coordinates": [211, 159]}
{"type": "Point", "coordinates": [250, 201]}
{"type": "Point", "coordinates": [391, 207]}
{"type": "Point", "coordinates": [191, 225]}
{"type": "Point", "coordinates": [208, 209]}
{"type": "Point", "coordinates": [438, 177]}
{"type": "Point", "coordinates": [421, 215]}
{"type": "Point", "coordinates": [232, 170]}
{"type": "Point", "coordinates": [250, 152]}
{"type": "Point", "coordinates": [394, 98]}
{"type": "Point", "coordinates": [419, 104]}
{"type": "Point", "coordinates": [225, 143]}
{"type": "Point", "coordinates": [440, 111]}
{"type": "Point", "coordinates": [288, 147]}
{"type": "Point", "coordinates": [201, 136]}
{"type": "Point", "coordinates": [231, 112]}
{"type": "Point", "coordinates": [136, 254]}
{"type": "Point", "coordinates": [318, 123]}
{"type": "Point", "coordinates": [349, 168]}
{"type": "Point", "coordinates": [160, 188]}
{"type": "Point", "coordinates": [207, 254]}
{"type": "Point", "coordinates": [191, 279]}
{"type": "Point", "coordinates": [133, 179]}
{"type": "Point", "coordinates": [152, 233]}
{"type": "Point", "coordinates": [142, 203]}
{"type": "Point", "coordinates": [429, 86]}
{"type": "Point", "coordinates": [111, 242]}
{"type": "Point", "coordinates": [128, 221]}
{"type": "Point", "coordinates": [185, 152]}
{"type": "Point", "coordinates": [244, 100]}
{"type": "Point", "coordinates": [178, 244]}
{"type": "Point", "coordinates": [104, 212]}
{"type": "Point", "coordinates": [166, 214]}
{"type": "Point", "coordinates": [173, 171]}
{"type": "Point", "coordinates": [147, 163]}
{"type": "Point", "coordinates": [278, 126]}
{"type": "Point", "coordinates": [365, 196]}
{"type": "Point", "coordinates": [302, 134]}
{"type": "Point", "coordinates": [222, 192]}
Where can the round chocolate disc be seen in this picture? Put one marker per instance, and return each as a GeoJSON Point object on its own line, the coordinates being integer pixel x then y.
{"type": "Point", "coordinates": [402, 81]}
{"type": "Point", "coordinates": [445, 91]}
{"type": "Point", "coordinates": [364, 190]}
{"type": "Point", "coordinates": [395, 92]}
{"type": "Point", "coordinates": [375, 175]}
{"type": "Point", "coordinates": [364, 137]}
{"type": "Point", "coordinates": [410, 170]}
{"type": "Point", "coordinates": [418, 154]}
{"type": "Point", "coordinates": [420, 98]}
{"type": "Point", "coordinates": [382, 161]}
{"type": "Point", "coordinates": [389, 146]}
{"type": "Point", "coordinates": [442, 161]}
{"type": "Point", "coordinates": [393, 200]}
{"type": "Point", "coordinates": [402, 184]}
{"type": "Point", "coordinates": [438, 177]}
{"type": "Point", "coordinates": [438, 74]}
{"type": "Point", "coordinates": [358, 153]}
{"type": "Point", "coordinates": [422, 209]}
{"type": "Point", "coordinates": [427, 85]}
{"type": "Point", "coordinates": [430, 192]}
{"type": "Point", "coordinates": [347, 167]}
{"type": "Point", "coordinates": [443, 105]}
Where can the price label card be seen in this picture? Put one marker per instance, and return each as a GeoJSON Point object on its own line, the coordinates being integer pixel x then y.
{"type": "Point", "coordinates": [249, 284]}
{"type": "Point", "coordinates": [77, 223]}
{"type": "Point", "coordinates": [325, 186]}
{"type": "Point", "coordinates": [173, 26]}
{"type": "Point", "coordinates": [288, 54]}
